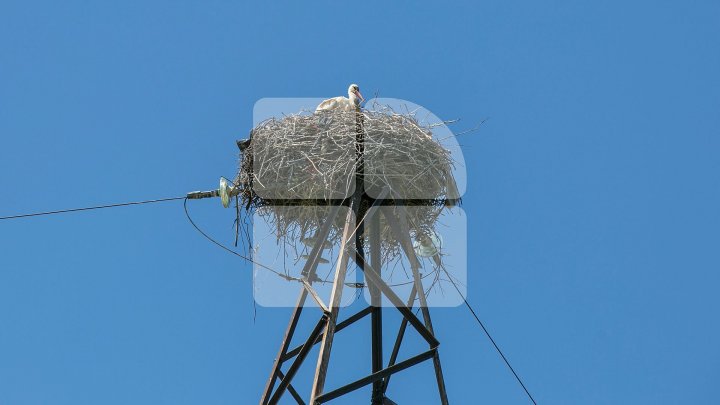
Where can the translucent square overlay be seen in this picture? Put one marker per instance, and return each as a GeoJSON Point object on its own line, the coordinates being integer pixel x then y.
{"type": "Point", "coordinates": [288, 254]}
{"type": "Point", "coordinates": [406, 167]}
{"type": "Point", "coordinates": [447, 239]}
{"type": "Point", "coordinates": [327, 166]}
{"type": "Point", "coordinates": [298, 154]}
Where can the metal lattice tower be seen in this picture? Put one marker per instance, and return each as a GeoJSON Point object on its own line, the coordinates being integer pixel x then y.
{"type": "Point", "coordinates": [367, 211]}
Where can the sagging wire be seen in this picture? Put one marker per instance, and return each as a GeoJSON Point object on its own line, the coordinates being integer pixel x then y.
{"type": "Point", "coordinates": [250, 259]}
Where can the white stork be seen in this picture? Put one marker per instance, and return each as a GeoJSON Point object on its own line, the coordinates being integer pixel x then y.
{"type": "Point", "coordinates": [349, 103]}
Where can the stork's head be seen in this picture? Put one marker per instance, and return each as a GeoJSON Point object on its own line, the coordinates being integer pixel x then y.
{"type": "Point", "coordinates": [354, 93]}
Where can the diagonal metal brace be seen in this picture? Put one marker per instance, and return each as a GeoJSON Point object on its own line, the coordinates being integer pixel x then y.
{"type": "Point", "coordinates": [376, 376]}
{"type": "Point", "coordinates": [298, 360]}
{"type": "Point", "coordinates": [374, 278]}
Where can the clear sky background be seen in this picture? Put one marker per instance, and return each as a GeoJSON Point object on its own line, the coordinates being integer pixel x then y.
{"type": "Point", "coordinates": [592, 203]}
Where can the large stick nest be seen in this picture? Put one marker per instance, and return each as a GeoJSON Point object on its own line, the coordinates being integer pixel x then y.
{"type": "Point", "coordinates": [313, 157]}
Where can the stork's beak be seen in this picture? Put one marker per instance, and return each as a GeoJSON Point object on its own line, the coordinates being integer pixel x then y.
{"type": "Point", "coordinates": [357, 93]}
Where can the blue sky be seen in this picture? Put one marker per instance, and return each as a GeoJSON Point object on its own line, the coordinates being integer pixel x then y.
{"type": "Point", "coordinates": [591, 204]}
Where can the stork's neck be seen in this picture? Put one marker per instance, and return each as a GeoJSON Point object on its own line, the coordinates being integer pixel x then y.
{"type": "Point", "coordinates": [354, 98]}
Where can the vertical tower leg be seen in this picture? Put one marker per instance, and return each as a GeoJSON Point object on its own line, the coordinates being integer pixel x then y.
{"type": "Point", "coordinates": [334, 306]}
{"type": "Point", "coordinates": [400, 228]}
{"type": "Point", "coordinates": [428, 324]}
{"type": "Point", "coordinates": [399, 339]}
{"type": "Point", "coordinates": [376, 314]}
{"type": "Point", "coordinates": [308, 271]}
{"type": "Point", "coordinates": [264, 400]}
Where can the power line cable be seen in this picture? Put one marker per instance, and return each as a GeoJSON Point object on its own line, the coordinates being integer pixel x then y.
{"type": "Point", "coordinates": [487, 333]}
{"type": "Point", "coordinates": [246, 258]}
{"type": "Point", "coordinates": [265, 267]}
{"type": "Point", "coordinates": [287, 277]}
{"type": "Point", "coordinates": [158, 200]}
{"type": "Point", "coordinates": [97, 207]}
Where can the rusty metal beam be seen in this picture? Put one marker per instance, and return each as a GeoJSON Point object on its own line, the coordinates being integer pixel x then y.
{"type": "Point", "coordinates": [308, 270]}
{"type": "Point", "coordinates": [340, 326]}
{"type": "Point", "coordinates": [376, 316]}
{"type": "Point", "coordinates": [292, 390]}
{"type": "Point", "coordinates": [298, 360]}
{"type": "Point", "coordinates": [399, 339]}
{"type": "Point", "coordinates": [373, 277]}
{"type": "Point", "coordinates": [335, 298]}
{"type": "Point", "coordinates": [315, 296]}
{"type": "Point", "coordinates": [400, 227]}
{"type": "Point", "coordinates": [283, 347]}
{"type": "Point", "coordinates": [378, 376]}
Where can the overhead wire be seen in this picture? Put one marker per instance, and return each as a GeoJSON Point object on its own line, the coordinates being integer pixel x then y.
{"type": "Point", "coordinates": [97, 207]}
{"type": "Point", "coordinates": [253, 261]}
{"type": "Point", "coordinates": [284, 276]}
{"type": "Point", "coordinates": [246, 258]}
{"type": "Point", "coordinates": [487, 333]}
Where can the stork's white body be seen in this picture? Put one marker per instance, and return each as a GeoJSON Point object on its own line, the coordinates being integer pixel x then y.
{"type": "Point", "coordinates": [349, 103]}
{"type": "Point", "coordinates": [337, 103]}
